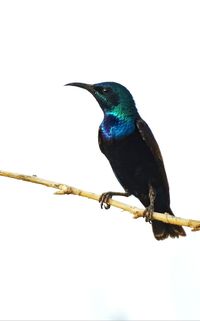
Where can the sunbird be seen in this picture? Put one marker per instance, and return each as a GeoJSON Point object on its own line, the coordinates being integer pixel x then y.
{"type": "Point", "coordinates": [134, 155]}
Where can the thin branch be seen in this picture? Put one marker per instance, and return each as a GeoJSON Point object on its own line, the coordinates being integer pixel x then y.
{"type": "Point", "coordinates": [136, 212]}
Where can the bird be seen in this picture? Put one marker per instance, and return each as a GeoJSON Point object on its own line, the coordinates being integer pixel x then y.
{"type": "Point", "coordinates": [133, 153]}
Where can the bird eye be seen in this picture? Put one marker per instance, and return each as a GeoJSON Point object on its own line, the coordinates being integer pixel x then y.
{"type": "Point", "coordinates": [105, 90]}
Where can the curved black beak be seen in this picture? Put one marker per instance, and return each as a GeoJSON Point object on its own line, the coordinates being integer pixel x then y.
{"type": "Point", "coordinates": [88, 87]}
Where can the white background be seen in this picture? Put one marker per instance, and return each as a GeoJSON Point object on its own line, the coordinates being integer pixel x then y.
{"type": "Point", "coordinates": [61, 257]}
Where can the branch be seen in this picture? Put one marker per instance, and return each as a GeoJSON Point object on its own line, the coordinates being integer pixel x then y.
{"type": "Point", "coordinates": [136, 212]}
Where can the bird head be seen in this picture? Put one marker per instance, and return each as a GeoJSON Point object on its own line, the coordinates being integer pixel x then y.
{"type": "Point", "coordinates": [112, 97]}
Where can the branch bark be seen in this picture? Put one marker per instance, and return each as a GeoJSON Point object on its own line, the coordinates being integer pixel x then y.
{"type": "Point", "coordinates": [63, 189]}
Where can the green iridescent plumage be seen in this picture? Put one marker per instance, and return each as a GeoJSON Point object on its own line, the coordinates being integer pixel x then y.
{"type": "Point", "coordinates": [119, 110]}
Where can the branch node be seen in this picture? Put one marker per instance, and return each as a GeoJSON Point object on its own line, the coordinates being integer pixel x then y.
{"type": "Point", "coordinates": [137, 214]}
{"type": "Point", "coordinates": [64, 189]}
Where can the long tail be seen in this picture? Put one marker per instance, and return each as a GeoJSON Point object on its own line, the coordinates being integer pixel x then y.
{"type": "Point", "coordinates": [163, 230]}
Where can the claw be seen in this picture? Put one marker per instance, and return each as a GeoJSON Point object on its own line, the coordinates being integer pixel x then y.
{"type": "Point", "coordinates": [148, 213]}
{"type": "Point", "coordinates": [103, 200]}
{"type": "Point", "coordinates": [105, 197]}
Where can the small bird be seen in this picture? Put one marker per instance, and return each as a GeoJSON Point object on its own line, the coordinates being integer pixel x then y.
{"type": "Point", "coordinates": [134, 155]}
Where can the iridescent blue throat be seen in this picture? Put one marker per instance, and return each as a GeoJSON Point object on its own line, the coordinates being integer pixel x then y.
{"type": "Point", "coordinates": [116, 126]}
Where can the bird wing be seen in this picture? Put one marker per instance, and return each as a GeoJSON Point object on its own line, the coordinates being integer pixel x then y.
{"type": "Point", "coordinates": [100, 141]}
{"type": "Point", "coordinates": [152, 144]}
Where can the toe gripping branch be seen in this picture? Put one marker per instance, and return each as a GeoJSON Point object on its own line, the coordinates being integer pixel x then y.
{"type": "Point", "coordinates": [105, 197]}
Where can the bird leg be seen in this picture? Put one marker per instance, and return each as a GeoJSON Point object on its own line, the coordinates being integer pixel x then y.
{"type": "Point", "coordinates": [105, 197]}
{"type": "Point", "coordinates": [148, 212]}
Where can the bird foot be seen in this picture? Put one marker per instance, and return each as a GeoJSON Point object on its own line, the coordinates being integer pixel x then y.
{"type": "Point", "coordinates": [148, 213]}
{"type": "Point", "coordinates": [104, 198]}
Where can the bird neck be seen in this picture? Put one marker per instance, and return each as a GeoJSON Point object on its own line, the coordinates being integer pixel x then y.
{"type": "Point", "coordinates": [116, 126]}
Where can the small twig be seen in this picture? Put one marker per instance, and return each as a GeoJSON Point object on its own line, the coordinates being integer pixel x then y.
{"type": "Point", "coordinates": [136, 212]}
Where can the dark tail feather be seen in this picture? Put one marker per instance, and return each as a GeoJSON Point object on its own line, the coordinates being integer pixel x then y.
{"type": "Point", "coordinates": [163, 230]}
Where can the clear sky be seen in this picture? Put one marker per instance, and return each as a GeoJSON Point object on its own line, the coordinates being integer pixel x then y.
{"type": "Point", "coordinates": [62, 257]}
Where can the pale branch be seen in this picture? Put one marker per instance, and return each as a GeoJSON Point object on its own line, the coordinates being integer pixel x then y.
{"type": "Point", "coordinates": [136, 212]}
